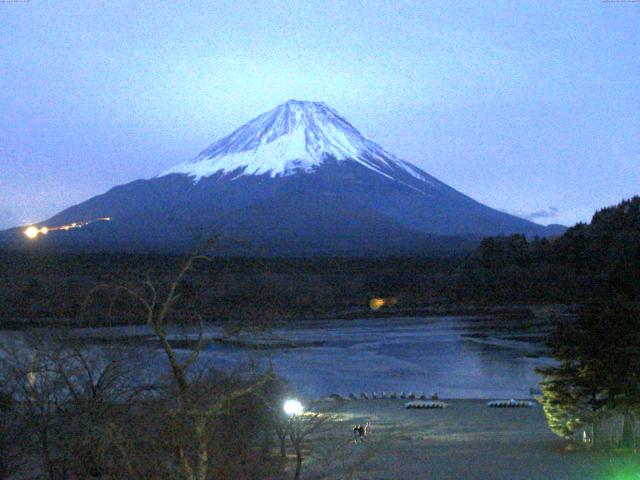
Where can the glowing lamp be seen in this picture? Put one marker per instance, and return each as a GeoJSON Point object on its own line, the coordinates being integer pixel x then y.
{"type": "Point", "coordinates": [376, 303]}
{"type": "Point", "coordinates": [292, 407]}
{"type": "Point", "coordinates": [32, 232]}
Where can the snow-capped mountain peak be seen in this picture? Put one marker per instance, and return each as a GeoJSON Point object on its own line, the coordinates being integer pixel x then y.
{"type": "Point", "coordinates": [296, 136]}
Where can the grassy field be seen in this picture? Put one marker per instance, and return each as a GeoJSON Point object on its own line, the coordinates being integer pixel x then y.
{"type": "Point", "coordinates": [466, 441]}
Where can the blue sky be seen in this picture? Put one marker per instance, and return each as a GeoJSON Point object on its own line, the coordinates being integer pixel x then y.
{"type": "Point", "coordinates": [532, 107]}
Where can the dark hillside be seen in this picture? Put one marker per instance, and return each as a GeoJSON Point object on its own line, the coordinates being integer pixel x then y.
{"type": "Point", "coordinates": [590, 260]}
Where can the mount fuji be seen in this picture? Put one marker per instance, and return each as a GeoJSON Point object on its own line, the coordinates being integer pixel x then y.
{"type": "Point", "coordinates": [296, 180]}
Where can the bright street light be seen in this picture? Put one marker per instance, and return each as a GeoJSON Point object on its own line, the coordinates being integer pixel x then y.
{"type": "Point", "coordinates": [292, 407]}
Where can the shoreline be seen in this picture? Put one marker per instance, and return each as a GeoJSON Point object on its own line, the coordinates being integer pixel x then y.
{"type": "Point", "coordinates": [499, 312]}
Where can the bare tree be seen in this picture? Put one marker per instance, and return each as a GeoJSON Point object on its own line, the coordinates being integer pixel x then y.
{"type": "Point", "coordinates": [198, 399]}
{"type": "Point", "coordinates": [63, 395]}
{"type": "Point", "coordinates": [281, 426]}
{"type": "Point", "coordinates": [99, 392]}
{"type": "Point", "coordinates": [8, 431]}
{"type": "Point", "coordinates": [39, 392]}
{"type": "Point", "coordinates": [300, 428]}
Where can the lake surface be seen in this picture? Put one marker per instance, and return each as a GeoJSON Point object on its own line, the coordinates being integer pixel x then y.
{"type": "Point", "coordinates": [457, 357]}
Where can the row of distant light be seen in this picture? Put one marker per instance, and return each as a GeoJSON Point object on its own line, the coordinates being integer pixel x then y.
{"type": "Point", "coordinates": [32, 232]}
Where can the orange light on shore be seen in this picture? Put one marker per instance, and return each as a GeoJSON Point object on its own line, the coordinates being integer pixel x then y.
{"type": "Point", "coordinates": [376, 303]}
{"type": "Point", "coordinates": [32, 232]}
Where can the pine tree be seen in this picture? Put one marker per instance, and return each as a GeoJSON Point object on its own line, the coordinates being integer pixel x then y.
{"type": "Point", "coordinates": [598, 370]}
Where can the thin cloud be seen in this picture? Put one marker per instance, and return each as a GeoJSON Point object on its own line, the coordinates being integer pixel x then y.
{"type": "Point", "coordinates": [551, 212]}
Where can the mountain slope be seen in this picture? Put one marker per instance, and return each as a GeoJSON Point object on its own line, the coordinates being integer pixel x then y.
{"type": "Point", "coordinates": [298, 179]}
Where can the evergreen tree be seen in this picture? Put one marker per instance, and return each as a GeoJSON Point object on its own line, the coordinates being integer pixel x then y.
{"type": "Point", "coordinates": [598, 370]}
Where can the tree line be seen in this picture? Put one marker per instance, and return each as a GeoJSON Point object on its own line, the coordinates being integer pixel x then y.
{"type": "Point", "coordinates": [594, 260]}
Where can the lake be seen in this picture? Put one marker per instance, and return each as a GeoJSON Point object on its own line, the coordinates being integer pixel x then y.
{"type": "Point", "coordinates": [455, 357]}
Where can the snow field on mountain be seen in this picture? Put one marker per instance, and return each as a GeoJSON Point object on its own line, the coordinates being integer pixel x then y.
{"type": "Point", "coordinates": [293, 137]}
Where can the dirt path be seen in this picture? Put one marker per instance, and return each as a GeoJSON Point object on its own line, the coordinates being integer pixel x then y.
{"type": "Point", "coordinates": [465, 441]}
